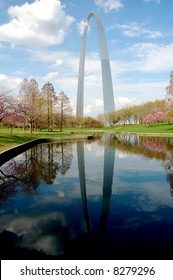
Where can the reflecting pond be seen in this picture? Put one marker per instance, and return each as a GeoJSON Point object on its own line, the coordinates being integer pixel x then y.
{"type": "Point", "coordinates": [106, 198]}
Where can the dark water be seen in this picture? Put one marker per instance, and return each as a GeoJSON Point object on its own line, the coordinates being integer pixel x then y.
{"type": "Point", "coordinates": [108, 198]}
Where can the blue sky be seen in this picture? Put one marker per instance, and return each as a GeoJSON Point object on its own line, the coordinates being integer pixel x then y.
{"type": "Point", "coordinates": [41, 39]}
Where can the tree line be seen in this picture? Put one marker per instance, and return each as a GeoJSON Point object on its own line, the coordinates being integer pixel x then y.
{"type": "Point", "coordinates": [149, 112]}
{"type": "Point", "coordinates": [46, 109]}
{"type": "Point", "coordinates": [39, 108]}
{"type": "Point", "coordinates": [35, 108]}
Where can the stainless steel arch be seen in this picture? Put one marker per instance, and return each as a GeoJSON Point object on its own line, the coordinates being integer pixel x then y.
{"type": "Point", "coordinates": [108, 97]}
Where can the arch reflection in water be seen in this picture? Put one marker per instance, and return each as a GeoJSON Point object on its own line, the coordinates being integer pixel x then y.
{"type": "Point", "coordinates": [108, 170]}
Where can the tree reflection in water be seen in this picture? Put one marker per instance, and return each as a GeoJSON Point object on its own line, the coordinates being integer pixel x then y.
{"type": "Point", "coordinates": [40, 163]}
{"type": "Point", "coordinates": [150, 147]}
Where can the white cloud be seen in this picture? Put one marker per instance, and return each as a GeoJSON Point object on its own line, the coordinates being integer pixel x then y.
{"type": "Point", "coordinates": [58, 62]}
{"type": "Point", "coordinates": [154, 58]}
{"type": "Point", "coordinates": [93, 108]}
{"type": "Point", "coordinates": [3, 77]}
{"type": "Point", "coordinates": [136, 92]}
{"type": "Point", "coordinates": [109, 5]}
{"type": "Point", "coordinates": [11, 83]}
{"type": "Point", "coordinates": [99, 102]}
{"type": "Point", "coordinates": [124, 100]}
{"type": "Point", "coordinates": [51, 75]}
{"type": "Point", "coordinates": [65, 62]}
{"type": "Point", "coordinates": [40, 23]}
{"type": "Point", "coordinates": [136, 30]}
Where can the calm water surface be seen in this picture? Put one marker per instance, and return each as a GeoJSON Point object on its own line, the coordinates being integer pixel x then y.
{"type": "Point", "coordinates": [107, 198]}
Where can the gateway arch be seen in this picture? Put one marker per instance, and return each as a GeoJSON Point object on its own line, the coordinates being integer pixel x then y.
{"type": "Point", "coordinates": [108, 97]}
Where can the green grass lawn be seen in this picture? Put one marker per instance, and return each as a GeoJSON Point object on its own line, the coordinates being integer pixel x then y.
{"type": "Point", "coordinates": [143, 128]}
{"type": "Point", "coordinates": [20, 136]}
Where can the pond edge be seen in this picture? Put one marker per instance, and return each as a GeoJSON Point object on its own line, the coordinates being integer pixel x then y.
{"type": "Point", "coordinates": [15, 151]}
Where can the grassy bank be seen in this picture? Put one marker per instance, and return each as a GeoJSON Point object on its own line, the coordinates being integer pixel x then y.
{"type": "Point", "coordinates": [143, 128]}
{"type": "Point", "coordinates": [19, 136]}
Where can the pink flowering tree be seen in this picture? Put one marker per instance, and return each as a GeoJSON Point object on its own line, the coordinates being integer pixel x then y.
{"type": "Point", "coordinates": [160, 116]}
{"type": "Point", "coordinates": [156, 117]}
{"type": "Point", "coordinates": [12, 120]}
{"type": "Point", "coordinates": [150, 118]}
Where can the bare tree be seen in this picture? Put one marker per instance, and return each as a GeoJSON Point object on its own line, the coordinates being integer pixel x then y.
{"type": "Point", "coordinates": [29, 101]}
{"type": "Point", "coordinates": [50, 99]}
{"type": "Point", "coordinates": [6, 103]}
{"type": "Point", "coordinates": [64, 109]}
